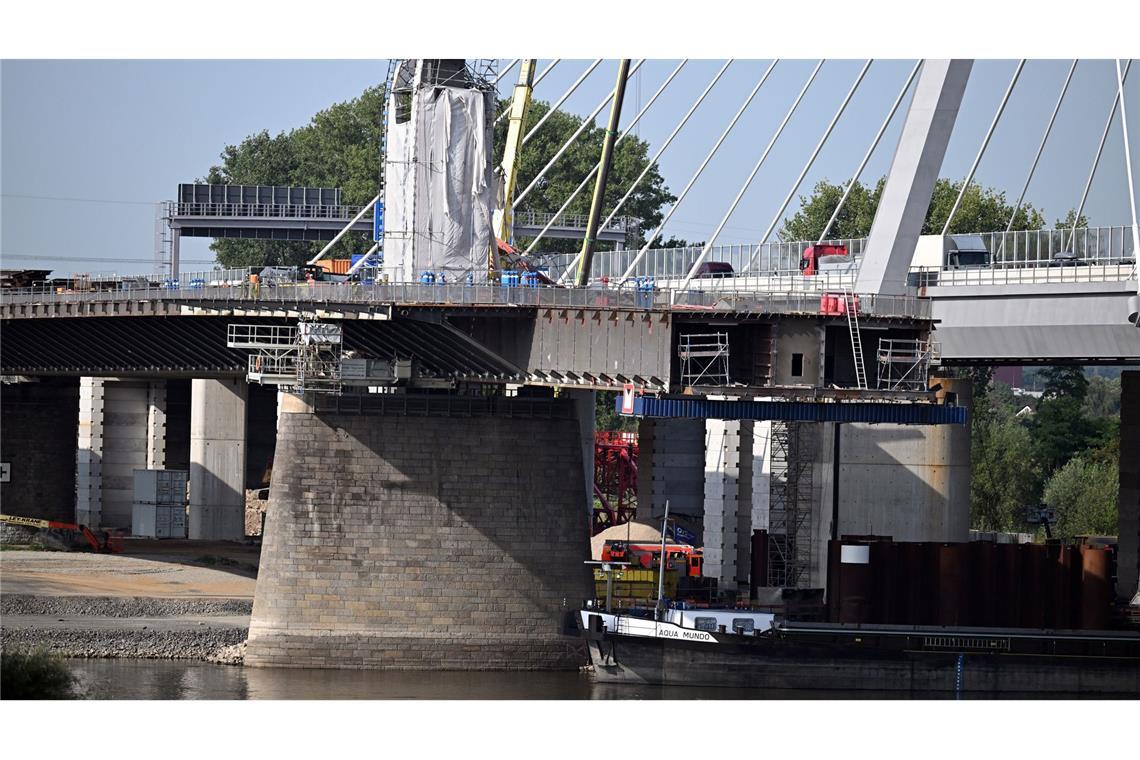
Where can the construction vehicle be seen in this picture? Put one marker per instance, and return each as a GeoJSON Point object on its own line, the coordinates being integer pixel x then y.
{"type": "Point", "coordinates": [102, 541]}
{"type": "Point", "coordinates": [648, 555]}
{"type": "Point", "coordinates": [826, 258]}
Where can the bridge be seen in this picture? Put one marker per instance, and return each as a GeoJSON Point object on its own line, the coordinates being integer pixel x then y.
{"type": "Point", "coordinates": [465, 412]}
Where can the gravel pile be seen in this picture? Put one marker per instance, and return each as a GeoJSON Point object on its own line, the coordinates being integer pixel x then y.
{"type": "Point", "coordinates": [203, 643]}
{"type": "Point", "coordinates": [120, 606]}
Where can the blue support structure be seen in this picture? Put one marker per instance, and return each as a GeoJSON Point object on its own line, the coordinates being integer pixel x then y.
{"type": "Point", "coordinates": [797, 411]}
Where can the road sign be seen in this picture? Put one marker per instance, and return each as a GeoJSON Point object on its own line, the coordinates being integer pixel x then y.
{"type": "Point", "coordinates": [627, 399]}
{"type": "Point", "coordinates": [378, 221]}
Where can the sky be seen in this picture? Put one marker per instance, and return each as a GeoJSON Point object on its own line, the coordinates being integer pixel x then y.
{"type": "Point", "coordinates": [87, 147]}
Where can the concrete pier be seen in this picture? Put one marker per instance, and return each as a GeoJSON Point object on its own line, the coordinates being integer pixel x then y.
{"type": "Point", "coordinates": [451, 540]}
{"type": "Point", "coordinates": [38, 430]}
{"type": "Point", "coordinates": [217, 459]}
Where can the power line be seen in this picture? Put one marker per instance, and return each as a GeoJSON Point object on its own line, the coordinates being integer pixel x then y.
{"type": "Point", "coordinates": [78, 200]}
{"type": "Point", "coordinates": [93, 259]}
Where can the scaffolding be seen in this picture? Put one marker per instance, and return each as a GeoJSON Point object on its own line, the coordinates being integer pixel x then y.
{"type": "Point", "coordinates": [704, 359]}
{"type": "Point", "coordinates": [791, 504]}
{"type": "Point", "coordinates": [905, 364]}
{"type": "Point", "coordinates": [305, 357]}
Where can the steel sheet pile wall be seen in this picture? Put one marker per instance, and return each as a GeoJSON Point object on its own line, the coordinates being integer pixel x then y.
{"type": "Point", "coordinates": [969, 584]}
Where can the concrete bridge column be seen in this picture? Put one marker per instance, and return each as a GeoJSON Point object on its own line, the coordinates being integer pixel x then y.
{"type": "Point", "coordinates": [89, 454]}
{"type": "Point", "coordinates": [156, 425]}
{"type": "Point", "coordinates": [1128, 506]}
{"type": "Point", "coordinates": [217, 459]}
{"type": "Point", "coordinates": [434, 542]}
{"type": "Point", "coordinates": [722, 506]}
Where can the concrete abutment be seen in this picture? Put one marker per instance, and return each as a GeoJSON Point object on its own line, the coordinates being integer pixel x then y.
{"type": "Point", "coordinates": [432, 542]}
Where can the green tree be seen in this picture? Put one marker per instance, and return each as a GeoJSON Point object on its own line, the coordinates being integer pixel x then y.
{"type": "Point", "coordinates": [981, 210]}
{"type": "Point", "coordinates": [1103, 398]}
{"type": "Point", "coordinates": [1066, 222]}
{"type": "Point", "coordinates": [1060, 429]}
{"type": "Point", "coordinates": [1084, 492]}
{"type": "Point", "coordinates": [1003, 480]}
{"type": "Point", "coordinates": [631, 156]}
{"type": "Point", "coordinates": [339, 147]}
{"type": "Point", "coordinates": [854, 218]}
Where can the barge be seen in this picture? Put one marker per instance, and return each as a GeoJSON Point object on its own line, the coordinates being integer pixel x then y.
{"type": "Point", "coordinates": [743, 648]}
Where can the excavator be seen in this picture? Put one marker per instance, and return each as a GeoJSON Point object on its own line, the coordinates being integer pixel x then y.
{"type": "Point", "coordinates": [102, 542]}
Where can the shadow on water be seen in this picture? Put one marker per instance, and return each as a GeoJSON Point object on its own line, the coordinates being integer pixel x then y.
{"type": "Point", "coordinates": [169, 680]}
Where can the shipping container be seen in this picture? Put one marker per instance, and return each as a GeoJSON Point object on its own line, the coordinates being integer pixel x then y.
{"type": "Point", "coordinates": [160, 486]}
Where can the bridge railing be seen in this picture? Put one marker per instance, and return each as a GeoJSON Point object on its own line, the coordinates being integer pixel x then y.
{"type": "Point", "coordinates": [577, 221]}
{"type": "Point", "coordinates": [923, 277]}
{"type": "Point", "coordinates": [263, 210]}
{"type": "Point", "coordinates": [776, 258]}
{"type": "Point", "coordinates": [333, 296]}
{"type": "Point", "coordinates": [1037, 248]}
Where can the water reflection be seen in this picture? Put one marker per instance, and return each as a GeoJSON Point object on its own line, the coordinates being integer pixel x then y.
{"type": "Point", "coordinates": [164, 679]}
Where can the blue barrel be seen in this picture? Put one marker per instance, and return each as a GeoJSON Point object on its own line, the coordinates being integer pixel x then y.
{"type": "Point", "coordinates": [470, 279]}
{"type": "Point", "coordinates": [510, 278]}
{"type": "Point", "coordinates": [442, 279]}
{"type": "Point", "coordinates": [427, 278]}
{"type": "Point", "coordinates": [530, 279]}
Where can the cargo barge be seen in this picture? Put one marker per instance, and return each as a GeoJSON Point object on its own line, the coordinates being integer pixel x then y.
{"type": "Point", "coordinates": [738, 648]}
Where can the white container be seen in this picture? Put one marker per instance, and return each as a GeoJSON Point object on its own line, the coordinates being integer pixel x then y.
{"type": "Point", "coordinates": [170, 521]}
{"type": "Point", "coordinates": [144, 520]}
{"type": "Point", "coordinates": [160, 486]}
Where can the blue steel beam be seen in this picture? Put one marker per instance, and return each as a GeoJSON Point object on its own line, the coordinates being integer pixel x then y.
{"type": "Point", "coordinates": [796, 411]}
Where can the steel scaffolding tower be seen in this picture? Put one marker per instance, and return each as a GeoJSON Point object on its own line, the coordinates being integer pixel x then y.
{"type": "Point", "coordinates": [791, 504]}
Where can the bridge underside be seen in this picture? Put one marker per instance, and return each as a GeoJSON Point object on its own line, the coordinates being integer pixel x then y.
{"type": "Point", "coordinates": [589, 348]}
{"type": "Point", "coordinates": [1036, 324]}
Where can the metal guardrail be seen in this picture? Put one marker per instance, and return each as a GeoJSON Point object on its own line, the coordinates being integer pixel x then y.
{"type": "Point", "coordinates": [576, 221]}
{"type": "Point", "coordinates": [1025, 249]}
{"type": "Point", "coordinates": [262, 211]}
{"type": "Point", "coordinates": [330, 296]}
{"type": "Point", "coordinates": [1036, 248]}
{"type": "Point", "coordinates": [924, 277]}
{"type": "Point", "coordinates": [675, 263]}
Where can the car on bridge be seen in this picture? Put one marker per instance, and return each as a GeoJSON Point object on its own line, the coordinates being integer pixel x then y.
{"type": "Point", "coordinates": [1067, 259]}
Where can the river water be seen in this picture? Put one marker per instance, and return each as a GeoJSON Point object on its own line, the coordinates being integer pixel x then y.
{"type": "Point", "coordinates": [180, 679]}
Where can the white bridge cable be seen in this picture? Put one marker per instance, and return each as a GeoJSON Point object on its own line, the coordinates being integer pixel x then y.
{"type": "Point", "coordinates": [503, 73]}
{"type": "Point", "coordinates": [586, 124]}
{"type": "Point", "coordinates": [1099, 151]}
{"type": "Point", "coordinates": [1128, 163]}
{"type": "Point", "coordinates": [748, 182]}
{"type": "Point", "coordinates": [1040, 149]}
{"type": "Point", "coordinates": [533, 84]}
{"type": "Point", "coordinates": [676, 130]}
{"type": "Point", "coordinates": [985, 144]}
{"type": "Point", "coordinates": [870, 151]}
{"type": "Point", "coordinates": [589, 70]}
{"type": "Point", "coordinates": [649, 165]}
{"type": "Point", "coordinates": [696, 175]}
{"type": "Point", "coordinates": [811, 160]}
{"type": "Point", "coordinates": [594, 170]}
{"type": "Point", "coordinates": [346, 228]}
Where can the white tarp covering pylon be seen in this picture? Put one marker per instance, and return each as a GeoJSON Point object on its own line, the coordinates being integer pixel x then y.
{"type": "Point", "coordinates": [439, 189]}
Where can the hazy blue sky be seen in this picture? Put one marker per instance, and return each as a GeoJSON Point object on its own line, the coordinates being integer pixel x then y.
{"type": "Point", "coordinates": [130, 131]}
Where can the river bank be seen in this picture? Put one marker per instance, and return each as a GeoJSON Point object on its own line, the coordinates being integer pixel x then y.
{"type": "Point", "coordinates": [141, 628]}
{"type": "Point", "coordinates": [155, 601]}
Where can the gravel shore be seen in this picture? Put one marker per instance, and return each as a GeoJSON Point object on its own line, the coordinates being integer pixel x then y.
{"type": "Point", "coordinates": [213, 630]}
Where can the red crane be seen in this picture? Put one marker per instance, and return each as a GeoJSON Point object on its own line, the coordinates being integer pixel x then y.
{"type": "Point", "coordinates": [615, 479]}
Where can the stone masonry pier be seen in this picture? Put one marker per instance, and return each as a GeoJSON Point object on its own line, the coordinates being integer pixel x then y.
{"type": "Point", "coordinates": [451, 540]}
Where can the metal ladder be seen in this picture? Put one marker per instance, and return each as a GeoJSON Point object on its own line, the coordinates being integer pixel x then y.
{"type": "Point", "coordinates": [850, 305]}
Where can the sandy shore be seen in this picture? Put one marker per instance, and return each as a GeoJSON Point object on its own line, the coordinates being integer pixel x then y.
{"type": "Point", "coordinates": [157, 600]}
